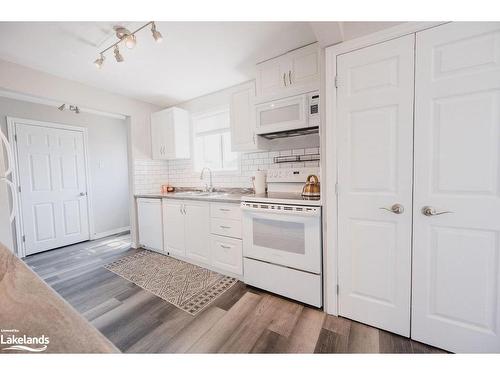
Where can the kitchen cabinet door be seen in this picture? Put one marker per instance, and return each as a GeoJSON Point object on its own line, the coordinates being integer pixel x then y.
{"type": "Point", "coordinates": [149, 215]}
{"type": "Point", "coordinates": [159, 134]}
{"type": "Point", "coordinates": [197, 231]}
{"type": "Point", "coordinates": [173, 227]}
{"type": "Point", "coordinates": [170, 134]}
{"type": "Point", "coordinates": [271, 76]}
{"type": "Point", "coordinates": [304, 68]}
{"type": "Point", "coordinates": [242, 119]}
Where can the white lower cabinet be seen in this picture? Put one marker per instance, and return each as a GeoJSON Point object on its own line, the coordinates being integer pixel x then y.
{"type": "Point", "coordinates": [227, 254]}
{"type": "Point", "coordinates": [173, 228]}
{"type": "Point", "coordinates": [206, 234]}
{"type": "Point", "coordinates": [149, 215]}
{"type": "Point", "coordinates": [197, 231]}
{"type": "Point", "coordinates": [186, 229]}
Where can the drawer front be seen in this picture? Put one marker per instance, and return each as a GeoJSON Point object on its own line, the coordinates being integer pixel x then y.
{"type": "Point", "coordinates": [224, 227]}
{"type": "Point", "coordinates": [225, 211]}
{"type": "Point", "coordinates": [301, 286]}
{"type": "Point", "coordinates": [227, 254]}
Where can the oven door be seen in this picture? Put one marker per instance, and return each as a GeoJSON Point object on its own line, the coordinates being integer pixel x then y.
{"type": "Point", "coordinates": [281, 115]}
{"type": "Point", "coordinates": [285, 235]}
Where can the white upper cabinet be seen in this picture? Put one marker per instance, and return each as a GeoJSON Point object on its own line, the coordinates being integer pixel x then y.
{"type": "Point", "coordinates": [293, 73]}
{"type": "Point", "coordinates": [242, 119]}
{"type": "Point", "coordinates": [170, 134]}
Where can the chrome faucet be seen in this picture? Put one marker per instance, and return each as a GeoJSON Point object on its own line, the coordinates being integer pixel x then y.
{"type": "Point", "coordinates": [209, 188]}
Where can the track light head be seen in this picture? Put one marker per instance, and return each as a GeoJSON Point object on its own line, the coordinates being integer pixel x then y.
{"type": "Point", "coordinates": [61, 107]}
{"type": "Point", "coordinates": [130, 41]}
{"type": "Point", "coordinates": [74, 108]}
{"type": "Point", "coordinates": [118, 55]}
{"type": "Point", "coordinates": [156, 34]}
{"type": "Point", "coordinates": [98, 63]}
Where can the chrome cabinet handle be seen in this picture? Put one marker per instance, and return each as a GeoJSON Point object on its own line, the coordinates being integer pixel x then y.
{"type": "Point", "coordinates": [224, 209]}
{"type": "Point", "coordinates": [254, 139]}
{"type": "Point", "coordinates": [431, 211]}
{"type": "Point", "coordinates": [224, 227]}
{"type": "Point", "coordinates": [224, 246]}
{"type": "Point", "coordinates": [290, 76]}
{"type": "Point", "coordinates": [395, 208]}
{"type": "Point", "coordinates": [184, 209]}
{"type": "Point", "coordinates": [284, 78]}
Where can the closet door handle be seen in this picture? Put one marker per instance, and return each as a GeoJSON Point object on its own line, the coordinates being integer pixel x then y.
{"type": "Point", "coordinates": [431, 211]}
{"type": "Point", "coordinates": [395, 208]}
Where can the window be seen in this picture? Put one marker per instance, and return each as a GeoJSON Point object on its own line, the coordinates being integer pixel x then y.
{"type": "Point", "coordinates": [212, 142]}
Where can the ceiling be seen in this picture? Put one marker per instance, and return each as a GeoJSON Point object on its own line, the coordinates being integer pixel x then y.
{"type": "Point", "coordinates": [195, 58]}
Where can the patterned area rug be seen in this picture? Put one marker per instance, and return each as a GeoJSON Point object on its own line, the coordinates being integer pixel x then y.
{"type": "Point", "coordinates": [189, 287]}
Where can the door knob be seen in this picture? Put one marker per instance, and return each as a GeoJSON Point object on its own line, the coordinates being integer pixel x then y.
{"type": "Point", "coordinates": [395, 208]}
{"type": "Point", "coordinates": [431, 211]}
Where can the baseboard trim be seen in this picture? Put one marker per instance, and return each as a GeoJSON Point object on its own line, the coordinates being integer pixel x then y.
{"type": "Point", "coordinates": [111, 232]}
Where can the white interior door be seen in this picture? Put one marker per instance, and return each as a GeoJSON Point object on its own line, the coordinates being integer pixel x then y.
{"type": "Point", "coordinates": [52, 176]}
{"type": "Point", "coordinates": [456, 295]}
{"type": "Point", "coordinates": [375, 138]}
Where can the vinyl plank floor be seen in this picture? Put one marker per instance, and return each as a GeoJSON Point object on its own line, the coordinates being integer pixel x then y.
{"type": "Point", "coordinates": [242, 320]}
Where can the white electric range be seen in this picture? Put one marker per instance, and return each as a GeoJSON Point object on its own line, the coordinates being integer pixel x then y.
{"type": "Point", "coordinates": [282, 242]}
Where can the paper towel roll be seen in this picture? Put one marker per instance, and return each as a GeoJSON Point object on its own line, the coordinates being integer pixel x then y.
{"type": "Point", "coordinates": [259, 182]}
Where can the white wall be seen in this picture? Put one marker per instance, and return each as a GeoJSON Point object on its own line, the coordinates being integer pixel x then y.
{"type": "Point", "coordinates": [107, 146]}
{"type": "Point", "coordinates": [19, 79]}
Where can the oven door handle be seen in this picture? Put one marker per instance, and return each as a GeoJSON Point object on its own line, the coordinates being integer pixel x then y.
{"type": "Point", "coordinates": [315, 211]}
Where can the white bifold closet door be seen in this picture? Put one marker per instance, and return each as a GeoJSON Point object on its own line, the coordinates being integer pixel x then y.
{"type": "Point", "coordinates": [375, 148]}
{"type": "Point", "coordinates": [456, 252]}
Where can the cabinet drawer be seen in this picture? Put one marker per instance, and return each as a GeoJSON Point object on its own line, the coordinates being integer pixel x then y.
{"type": "Point", "coordinates": [227, 254]}
{"type": "Point", "coordinates": [225, 211]}
{"type": "Point", "coordinates": [224, 227]}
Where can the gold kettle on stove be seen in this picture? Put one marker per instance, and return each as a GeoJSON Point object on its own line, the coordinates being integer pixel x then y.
{"type": "Point", "coordinates": [311, 188]}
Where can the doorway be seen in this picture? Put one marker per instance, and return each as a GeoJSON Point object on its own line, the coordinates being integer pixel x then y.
{"type": "Point", "coordinates": [53, 179]}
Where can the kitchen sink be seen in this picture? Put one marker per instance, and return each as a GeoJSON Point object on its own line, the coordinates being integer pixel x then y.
{"type": "Point", "coordinates": [193, 193]}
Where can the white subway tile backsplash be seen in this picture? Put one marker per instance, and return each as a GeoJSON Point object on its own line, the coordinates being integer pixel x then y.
{"type": "Point", "coordinates": [151, 174]}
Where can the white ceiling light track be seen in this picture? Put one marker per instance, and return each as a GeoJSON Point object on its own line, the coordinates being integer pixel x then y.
{"type": "Point", "coordinates": [130, 40]}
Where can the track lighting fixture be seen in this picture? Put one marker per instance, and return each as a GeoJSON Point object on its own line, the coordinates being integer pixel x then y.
{"type": "Point", "coordinates": [130, 40]}
{"type": "Point", "coordinates": [118, 55]}
{"type": "Point", "coordinates": [72, 108]}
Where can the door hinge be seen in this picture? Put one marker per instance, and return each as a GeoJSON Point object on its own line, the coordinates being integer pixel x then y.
{"type": "Point", "coordinates": [19, 188]}
{"type": "Point", "coordinates": [336, 189]}
{"type": "Point", "coordinates": [24, 238]}
{"type": "Point", "coordinates": [15, 137]}
{"type": "Point", "coordinates": [336, 80]}
{"type": "Point", "coordinates": [338, 289]}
